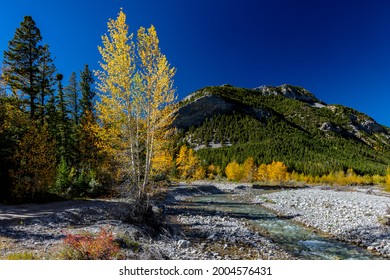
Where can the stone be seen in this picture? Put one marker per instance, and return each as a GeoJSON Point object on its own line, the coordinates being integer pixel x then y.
{"type": "Point", "coordinates": [182, 244]}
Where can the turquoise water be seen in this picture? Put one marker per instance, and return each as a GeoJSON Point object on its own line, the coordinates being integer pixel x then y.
{"type": "Point", "coordinates": [298, 240]}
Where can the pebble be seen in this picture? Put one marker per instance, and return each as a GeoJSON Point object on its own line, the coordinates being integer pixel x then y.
{"type": "Point", "coordinates": [183, 244]}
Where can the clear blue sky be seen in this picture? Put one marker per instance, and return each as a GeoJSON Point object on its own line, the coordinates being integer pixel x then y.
{"type": "Point", "coordinates": [339, 50]}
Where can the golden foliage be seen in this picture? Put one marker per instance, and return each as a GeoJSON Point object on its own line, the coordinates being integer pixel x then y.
{"type": "Point", "coordinates": [234, 171]}
{"type": "Point", "coordinates": [277, 171]}
{"type": "Point", "coordinates": [200, 173]}
{"type": "Point", "coordinates": [387, 180]}
{"type": "Point", "coordinates": [213, 171]}
{"type": "Point", "coordinates": [162, 163]}
{"type": "Point", "coordinates": [249, 169]}
{"type": "Point", "coordinates": [36, 164]}
{"type": "Point", "coordinates": [136, 101]}
{"type": "Point", "coordinates": [187, 163]}
{"type": "Point", "coordinates": [262, 173]}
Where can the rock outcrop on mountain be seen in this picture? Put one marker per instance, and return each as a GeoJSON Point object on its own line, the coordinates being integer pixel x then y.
{"type": "Point", "coordinates": [208, 106]}
{"type": "Point", "coordinates": [288, 91]}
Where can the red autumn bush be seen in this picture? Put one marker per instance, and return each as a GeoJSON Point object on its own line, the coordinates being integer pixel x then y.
{"type": "Point", "coordinates": [88, 246]}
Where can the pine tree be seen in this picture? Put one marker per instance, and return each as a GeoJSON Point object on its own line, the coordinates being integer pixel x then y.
{"type": "Point", "coordinates": [46, 80]}
{"type": "Point", "coordinates": [2, 84]}
{"type": "Point", "coordinates": [73, 100]}
{"type": "Point", "coordinates": [21, 61]}
{"type": "Point", "coordinates": [87, 136]}
{"type": "Point", "coordinates": [87, 91]}
{"type": "Point", "coordinates": [13, 123]}
{"type": "Point", "coordinates": [63, 132]}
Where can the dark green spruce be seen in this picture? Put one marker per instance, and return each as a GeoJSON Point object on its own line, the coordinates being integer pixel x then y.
{"type": "Point", "coordinates": [21, 62]}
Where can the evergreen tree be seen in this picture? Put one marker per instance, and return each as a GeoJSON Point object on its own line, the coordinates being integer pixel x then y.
{"type": "Point", "coordinates": [87, 135]}
{"type": "Point", "coordinates": [46, 79]}
{"type": "Point", "coordinates": [21, 61]}
{"type": "Point", "coordinates": [2, 84]}
{"type": "Point", "coordinates": [62, 122]}
{"type": "Point", "coordinates": [72, 97]}
{"type": "Point", "coordinates": [87, 91]}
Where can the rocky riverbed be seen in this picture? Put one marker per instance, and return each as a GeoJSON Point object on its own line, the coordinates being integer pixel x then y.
{"type": "Point", "coordinates": [192, 232]}
{"type": "Point", "coordinates": [39, 230]}
{"type": "Point", "coordinates": [355, 215]}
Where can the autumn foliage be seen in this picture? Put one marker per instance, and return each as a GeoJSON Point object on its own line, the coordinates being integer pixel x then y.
{"type": "Point", "coordinates": [87, 246]}
{"type": "Point", "coordinates": [136, 101]}
{"type": "Point", "coordinates": [35, 163]}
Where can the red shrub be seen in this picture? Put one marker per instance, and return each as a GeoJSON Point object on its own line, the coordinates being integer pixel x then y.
{"type": "Point", "coordinates": [87, 246]}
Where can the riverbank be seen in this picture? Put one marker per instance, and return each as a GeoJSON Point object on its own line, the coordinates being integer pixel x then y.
{"type": "Point", "coordinates": [192, 231]}
{"type": "Point", "coordinates": [355, 215]}
{"type": "Point", "coordinates": [216, 234]}
{"type": "Point", "coordinates": [38, 230]}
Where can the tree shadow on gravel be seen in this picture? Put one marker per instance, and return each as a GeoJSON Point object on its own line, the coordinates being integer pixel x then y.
{"type": "Point", "coordinates": [39, 222]}
{"type": "Point", "coordinates": [199, 209]}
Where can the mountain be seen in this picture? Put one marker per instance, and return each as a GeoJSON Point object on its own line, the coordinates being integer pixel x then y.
{"type": "Point", "coordinates": [285, 123]}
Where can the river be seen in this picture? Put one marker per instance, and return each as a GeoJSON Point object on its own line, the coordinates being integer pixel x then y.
{"type": "Point", "coordinates": [298, 240]}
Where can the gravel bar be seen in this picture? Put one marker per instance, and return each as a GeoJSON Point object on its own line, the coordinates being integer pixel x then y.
{"type": "Point", "coordinates": [353, 216]}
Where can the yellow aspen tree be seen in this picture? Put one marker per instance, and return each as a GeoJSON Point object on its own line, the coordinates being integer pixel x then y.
{"type": "Point", "coordinates": [249, 169]}
{"type": "Point", "coordinates": [277, 171]}
{"type": "Point", "coordinates": [234, 171]}
{"type": "Point", "coordinates": [136, 101]}
{"type": "Point", "coordinates": [181, 161]}
{"type": "Point", "coordinates": [387, 180]}
{"type": "Point", "coordinates": [262, 173]}
{"type": "Point", "coordinates": [115, 109]}
{"type": "Point", "coordinates": [193, 163]}
{"type": "Point", "coordinates": [158, 94]}
{"type": "Point", "coordinates": [187, 162]}
{"type": "Point", "coordinates": [200, 173]}
{"type": "Point", "coordinates": [162, 162]}
{"type": "Point", "coordinates": [211, 171]}
{"type": "Point", "coordinates": [36, 164]}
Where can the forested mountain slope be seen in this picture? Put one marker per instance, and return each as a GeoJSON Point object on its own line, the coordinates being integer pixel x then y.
{"type": "Point", "coordinates": [284, 123]}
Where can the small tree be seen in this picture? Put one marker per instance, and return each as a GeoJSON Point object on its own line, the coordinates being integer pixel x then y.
{"type": "Point", "coordinates": [35, 164]}
{"type": "Point", "coordinates": [249, 169]}
{"type": "Point", "coordinates": [277, 171]}
{"type": "Point", "coordinates": [187, 162]}
{"type": "Point", "coordinates": [262, 173]}
{"type": "Point", "coordinates": [234, 171]}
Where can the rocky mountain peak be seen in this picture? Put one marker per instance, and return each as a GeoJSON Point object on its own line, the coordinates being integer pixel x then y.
{"type": "Point", "coordinates": [289, 91]}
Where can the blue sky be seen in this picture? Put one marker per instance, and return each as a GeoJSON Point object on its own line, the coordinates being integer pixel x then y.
{"type": "Point", "coordinates": [338, 50]}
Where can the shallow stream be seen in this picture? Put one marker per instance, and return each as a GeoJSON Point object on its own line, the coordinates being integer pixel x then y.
{"type": "Point", "coordinates": [300, 241]}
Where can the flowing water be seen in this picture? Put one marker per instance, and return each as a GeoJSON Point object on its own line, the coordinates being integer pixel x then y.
{"type": "Point", "coordinates": [299, 240]}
